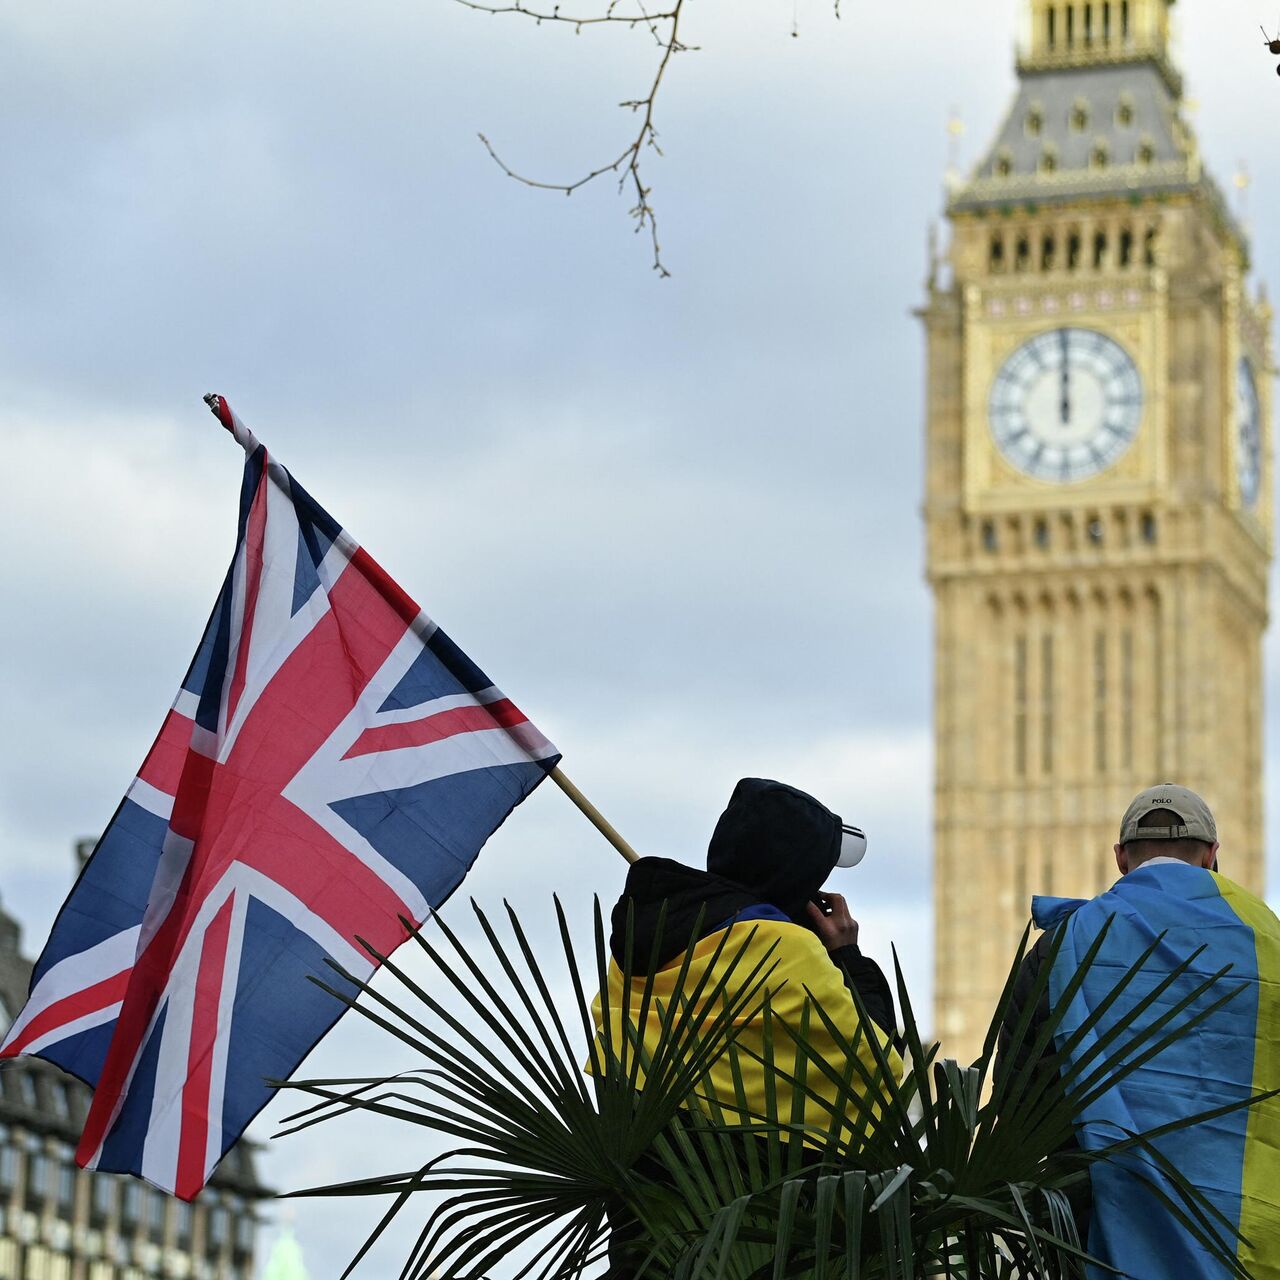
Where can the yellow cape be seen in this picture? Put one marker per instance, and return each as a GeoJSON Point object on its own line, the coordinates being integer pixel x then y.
{"type": "Point", "coordinates": [800, 974]}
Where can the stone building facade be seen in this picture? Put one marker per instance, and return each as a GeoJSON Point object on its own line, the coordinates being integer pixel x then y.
{"type": "Point", "coordinates": [1098, 492]}
{"type": "Point", "coordinates": [58, 1222]}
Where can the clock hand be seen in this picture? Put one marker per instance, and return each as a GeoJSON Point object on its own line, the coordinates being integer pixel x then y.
{"type": "Point", "coordinates": [1065, 405]}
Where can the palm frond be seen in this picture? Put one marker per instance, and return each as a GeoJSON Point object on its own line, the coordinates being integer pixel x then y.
{"type": "Point", "coordinates": [562, 1128]}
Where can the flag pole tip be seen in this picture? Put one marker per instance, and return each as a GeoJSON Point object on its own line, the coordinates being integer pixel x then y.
{"type": "Point", "coordinates": [222, 411]}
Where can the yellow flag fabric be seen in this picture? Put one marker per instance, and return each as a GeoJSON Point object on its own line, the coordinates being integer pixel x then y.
{"type": "Point", "coordinates": [1259, 1251]}
{"type": "Point", "coordinates": [801, 978]}
{"type": "Point", "coordinates": [1206, 921]}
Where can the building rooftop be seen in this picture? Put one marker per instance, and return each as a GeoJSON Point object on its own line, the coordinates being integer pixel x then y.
{"type": "Point", "coordinates": [1096, 122]}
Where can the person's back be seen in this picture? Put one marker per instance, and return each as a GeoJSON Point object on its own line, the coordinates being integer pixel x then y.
{"type": "Point", "coordinates": [771, 851]}
{"type": "Point", "coordinates": [1169, 896]}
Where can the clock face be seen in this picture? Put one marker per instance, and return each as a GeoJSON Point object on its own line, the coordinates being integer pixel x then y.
{"type": "Point", "coordinates": [1066, 404]}
{"type": "Point", "coordinates": [1248, 434]}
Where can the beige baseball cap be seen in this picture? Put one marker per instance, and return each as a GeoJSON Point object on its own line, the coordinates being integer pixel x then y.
{"type": "Point", "coordinates": [1197, 820]}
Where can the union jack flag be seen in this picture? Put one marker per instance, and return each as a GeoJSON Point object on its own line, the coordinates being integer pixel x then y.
{"type": "Point", "coordinates": [332, 762]}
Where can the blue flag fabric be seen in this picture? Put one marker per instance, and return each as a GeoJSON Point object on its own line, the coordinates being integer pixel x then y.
{"type": "Point", "coordinates": [1234, 1160]}
{"type": "Point", "coordinates": [329, 770]}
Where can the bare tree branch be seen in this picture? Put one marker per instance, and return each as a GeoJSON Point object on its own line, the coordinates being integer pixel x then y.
{"type": "Point", "coordinates": [665, 28]}
{"type": "Point", "coordinates": [611, 14]}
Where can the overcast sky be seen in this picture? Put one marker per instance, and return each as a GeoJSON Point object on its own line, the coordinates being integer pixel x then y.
{"type": "Point", "coordinates": [677, 520]}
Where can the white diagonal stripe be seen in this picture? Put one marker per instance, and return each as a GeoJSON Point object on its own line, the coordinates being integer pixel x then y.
{"type": "Point", "coordinates": [222, 1037]}
{"type": "Point", "coordinates": [108, 1013]}
{"type": "Point", "coordinates": [236, 617]}
{"type": "Point", "coordinates": [434, 706]}
{"type": "Point", "coordinates": [275, 632]}
{"type": "Point", "coordinates": [175, 857]}
{"type": "Point", "coordinates": [411, 766]}
{"type": "Point", "coordinates": [76, 973]}
{"type": "Point", "coordinates": [164, 1132]}
{"type": "Point", "coordinates": [187, 703]}
{"type": "Point", "coordinates": [150, 798]}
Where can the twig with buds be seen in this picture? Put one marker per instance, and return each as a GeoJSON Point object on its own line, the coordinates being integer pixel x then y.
{"type": "Point", "coordinates": [665, 28]}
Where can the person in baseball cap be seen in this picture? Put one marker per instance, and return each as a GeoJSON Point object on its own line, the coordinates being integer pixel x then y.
{"type": "Point", "coordinates": [1163, 824]}
{"type": "Point", "coordinates": [1170, 925]}
{"type": "Point", "coordinates": [1167, 823]}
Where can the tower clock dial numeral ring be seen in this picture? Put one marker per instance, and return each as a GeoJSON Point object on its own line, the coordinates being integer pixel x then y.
{"type": "Point", "coordinates": [1065, 405]}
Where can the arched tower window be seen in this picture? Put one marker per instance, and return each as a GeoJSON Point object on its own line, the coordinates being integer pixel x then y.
{"type": "Point", "coordinates": [1100, 701]}
{"type": "Point", "coordinates": [1046, 703]}
{"type": "Point", "coordinates": [1020, 705]}
{"type": "Point", "coordinates": [1126, 698]}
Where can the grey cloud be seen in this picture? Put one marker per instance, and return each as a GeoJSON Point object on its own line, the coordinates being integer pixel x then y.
{"type": "Point", "coordinates": [678, 521]}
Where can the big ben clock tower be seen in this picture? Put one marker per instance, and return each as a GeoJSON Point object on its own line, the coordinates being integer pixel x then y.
{"type": "Point", "coordinates": [1098, 493]}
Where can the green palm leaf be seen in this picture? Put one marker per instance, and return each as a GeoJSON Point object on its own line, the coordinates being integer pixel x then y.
{"type": "Point", "coordinates": [847, 1172]}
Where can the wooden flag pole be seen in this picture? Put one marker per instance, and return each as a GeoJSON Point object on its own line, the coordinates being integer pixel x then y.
{"type": "Point", "coordinates": [594, 816]}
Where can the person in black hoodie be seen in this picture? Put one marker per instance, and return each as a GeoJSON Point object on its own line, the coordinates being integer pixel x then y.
{"type": "Point", "coordinates": [770, 854]}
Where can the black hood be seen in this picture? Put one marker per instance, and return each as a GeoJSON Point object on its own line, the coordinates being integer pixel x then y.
{"type": "Point", "coordinates": [777, 842]}
{"type": "Point", "coordinates": [688, 894]}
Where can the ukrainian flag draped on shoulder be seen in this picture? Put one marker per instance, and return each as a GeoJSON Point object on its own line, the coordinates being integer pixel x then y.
{"type": "Point", "coordinates": [1234, 1160]}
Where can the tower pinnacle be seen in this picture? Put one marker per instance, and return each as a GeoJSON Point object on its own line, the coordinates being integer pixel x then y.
{"type": "Point", "coordinates": [1079, 33]}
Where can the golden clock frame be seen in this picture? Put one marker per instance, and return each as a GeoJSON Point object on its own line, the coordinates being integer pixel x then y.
{"type": "Point", "coordinates": [1000, 319]}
